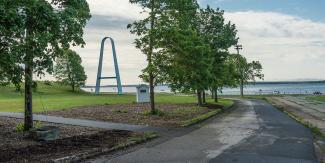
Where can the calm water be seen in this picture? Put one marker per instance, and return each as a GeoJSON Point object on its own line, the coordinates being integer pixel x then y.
{"type": "Point", "coordinates": [259, 88]}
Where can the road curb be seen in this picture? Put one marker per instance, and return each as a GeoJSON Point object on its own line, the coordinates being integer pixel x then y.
{"type": "Point", "coordinates": [101, 151]}
{"type": "Point", "coordinates": [207, 116]}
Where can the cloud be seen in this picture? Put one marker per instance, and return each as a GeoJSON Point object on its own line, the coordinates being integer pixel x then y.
{"type": "Point", "coordinates": [289, 47]}
{"type": "Point", "coordinates": [115, 8]}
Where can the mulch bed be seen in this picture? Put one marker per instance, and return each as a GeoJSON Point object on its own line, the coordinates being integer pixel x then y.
{"type": "Point", "coordinates": [172, 114]}
{"type": "Point", "coordinates": [15, 147]}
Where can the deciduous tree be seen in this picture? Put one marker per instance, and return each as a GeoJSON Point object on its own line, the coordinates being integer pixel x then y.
{"type": "Point", "coordinates": [69, 70]}
{"type": "Point", "coordinates": [220, 36]}
{"type": "Point", "coordinates": [148, 32]}
{"type": "Point", "coordinates": [246, 71]}
{"type": "Point", "coordinates": [38, 31]}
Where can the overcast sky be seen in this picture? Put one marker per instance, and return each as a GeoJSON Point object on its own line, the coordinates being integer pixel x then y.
{"type": "Point", "coordinates": [286, 36]}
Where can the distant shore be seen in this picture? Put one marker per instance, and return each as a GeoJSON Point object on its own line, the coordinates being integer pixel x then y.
{"type": "Point", "coordinates": [250, 83]}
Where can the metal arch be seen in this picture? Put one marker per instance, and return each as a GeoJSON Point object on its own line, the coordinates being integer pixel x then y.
{"type": "Point", "coordinates": [100, 67]}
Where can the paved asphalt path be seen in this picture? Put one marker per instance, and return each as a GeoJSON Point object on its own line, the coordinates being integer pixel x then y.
{"type": "Point", "coordinates": [253, 132]}
{"type": "Point", "coordinates": [85, 123]}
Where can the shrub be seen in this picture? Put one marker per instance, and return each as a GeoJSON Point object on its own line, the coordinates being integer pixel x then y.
{"type": "Point", "coordinates": [47, 82]}
{"type": "Point", "coordinates": [157, 113]}
{"type": "Point", "coordinates": [20, 127]}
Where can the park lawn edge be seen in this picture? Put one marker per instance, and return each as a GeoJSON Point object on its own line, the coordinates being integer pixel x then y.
{"type": "Point", "coordinates": [132, 141]}
{"type": "Point", "coordinates": [206, 116]}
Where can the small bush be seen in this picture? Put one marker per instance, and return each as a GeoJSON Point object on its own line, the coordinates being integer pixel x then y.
{"type": "Point", "coordinates": [38, 124]}
{"type": "Point", "coordinates": [120, 111]}
{"type": "Point", "coordinates": [47, 82]}
{"type": "Point", "coordinates": [20, 127]}
{"type": "Point", "coordinates": [157, 113]}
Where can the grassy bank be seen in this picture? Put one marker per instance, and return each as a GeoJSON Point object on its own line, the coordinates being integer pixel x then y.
{"type": "Point", "coordinates": [57, 97]}
{"type": "Point", "coordinates": [318, 98]}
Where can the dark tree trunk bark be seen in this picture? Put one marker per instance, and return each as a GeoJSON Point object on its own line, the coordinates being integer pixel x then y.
{"type": "Point", "coordinates": [212, 94]}
{"type": "Point", "coordinates": [199, 98]}
{"type": "Point", "coordinates": [152, 94]}
{"type": "Point", "coordinates": [216, 96]}
{"type": "Point", "coordinates": [28, 92]}
{"type": "Point", "coordinates": [28, 119]}
{"type": "Point", "coordinates": [241, 88]}
{"type": "Point", "coordinates": [151, 76]}
{"type": "Point", "coordinates": [203, 97]}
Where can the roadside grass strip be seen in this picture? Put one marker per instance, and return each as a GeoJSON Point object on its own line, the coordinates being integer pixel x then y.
{"type": "Point", "coordinates": [200, 118]}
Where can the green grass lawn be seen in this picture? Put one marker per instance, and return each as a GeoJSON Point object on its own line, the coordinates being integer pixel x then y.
{"type": "Point", "coordinates": [317, 98]}
{"type": "Point", "coordinates": [57, 97]}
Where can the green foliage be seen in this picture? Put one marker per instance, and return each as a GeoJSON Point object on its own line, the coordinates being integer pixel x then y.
{"type": "Point", "coordinates": [157, 112]}
{"type": "Point", "coordinates": [200, 118]}
{"type": "Point", "coordinates": [20, 127]}
{"type": "Point", "coordinates": [186, 46]}
{"type": "Point", "coordinates": [317, 98]}
{"type": "Point", "coordinates": [69, 70]}
{"type": "Point", "coordinates": [245, 71]}
{"type": "Point", "coordinates": [147, 32]}
{"type": "Point", "coordinates": [50, 27]}
{"type": "Point", "coordinates": [38, 124]}
{"type": "Point", "coordinates": [47, 82]}
{"type": "Point", "coordinates": [220, 36]}
{"type": "Point", "coordinates": [120, 111]}
{"type": "Point", "coordinates": [150, 134]}
{"type": "Point", "coordinates": [33, 34]}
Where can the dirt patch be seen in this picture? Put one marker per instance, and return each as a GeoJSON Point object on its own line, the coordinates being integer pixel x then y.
{"type": "Point", "coordinates": [16, 147]}
{"type": "Point", "coordinates": [171, 115]}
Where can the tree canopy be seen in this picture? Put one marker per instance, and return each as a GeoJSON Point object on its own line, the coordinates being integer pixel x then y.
{"type": "Point", "coordinates": [33, 34]}
{"type": "Point", "coordinates": [245, 71]}
{"type": "Point", "coordinates": [69, 70]}
{"type": "Point", "coordinates": [186, 46]}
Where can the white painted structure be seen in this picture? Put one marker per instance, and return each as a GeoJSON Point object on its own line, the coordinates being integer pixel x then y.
{"type": "Point", "coordinates": [143, 95]}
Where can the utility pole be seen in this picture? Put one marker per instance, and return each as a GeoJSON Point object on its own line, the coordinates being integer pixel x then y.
{"type": "Point", "coordinates": [240, 47]}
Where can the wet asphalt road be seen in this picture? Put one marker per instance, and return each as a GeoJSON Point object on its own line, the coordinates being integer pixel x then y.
{"type": "Point", "coordinates": [278, 140]}
{"type": "Point", "coordinates": [253, 132]}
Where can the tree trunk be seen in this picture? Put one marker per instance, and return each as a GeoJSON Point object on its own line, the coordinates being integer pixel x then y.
{"type": "Point", "coordinates": [212, 94]}
{"type": "Point", "coordinates": [28, 121]}
{"type": "Point", "coordinates": [199, 98]}
{"type": "Point", "coordinates": [203, 97]}
{"type": "Point", "coordinates": [241, 88]}
{"type": "Point", "coordinates": [216, 96]}
{"type": "Point", "coordinates": [150, 53]}
{"type": "Point", "coordinates": [152, 94]}
{"type": "Point", "coordinates": [28, 93]}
